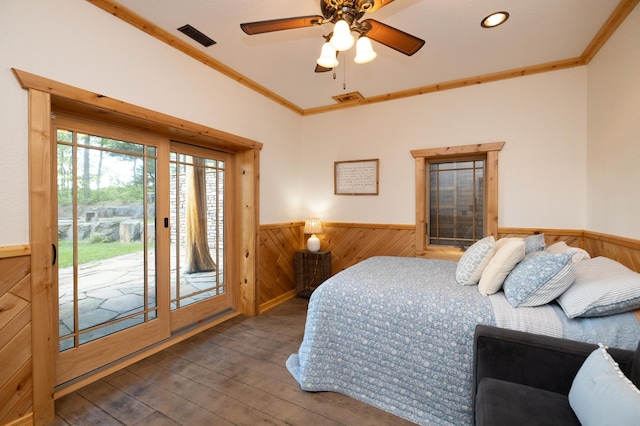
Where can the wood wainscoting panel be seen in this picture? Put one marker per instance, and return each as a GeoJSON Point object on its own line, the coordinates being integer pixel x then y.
{"type": "Point", "coordinates": [278, 244]}
{"type": "Point", "coordinates": [573, 238]}
{"type": "Point", "coordinates": [350, 243]}
{"type": "Point", "coordinates": [16, 379]}
{"type": "Point", "coordinates": [623, 250]}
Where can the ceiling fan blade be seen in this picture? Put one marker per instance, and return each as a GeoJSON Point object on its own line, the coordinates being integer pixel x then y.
{"type": "Point", "coordinates": [260, 27]}
{"type": "Point", "coordinates": [393, 37]}
{"type": "Point", "coordinates": [320, 68]}
{"type": "Point", "coordinates": [378, 4]}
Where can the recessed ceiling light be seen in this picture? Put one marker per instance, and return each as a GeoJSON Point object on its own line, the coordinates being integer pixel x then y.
{"type": "Point", "coordinates": [494, 19]}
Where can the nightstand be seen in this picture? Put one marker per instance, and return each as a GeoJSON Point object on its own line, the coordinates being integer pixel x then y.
{"type": "Point", "coordinates": [312, 269]}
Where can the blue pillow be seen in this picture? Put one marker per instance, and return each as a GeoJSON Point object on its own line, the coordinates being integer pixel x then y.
{"type": "Point", "coordinates": [474, 260]}
{"type": "Point", "coordinates": [602, 395]}
{"type": "Point", "coordinates": [534, 243]}
{"type": "Point", "coordinates": [539, 278]}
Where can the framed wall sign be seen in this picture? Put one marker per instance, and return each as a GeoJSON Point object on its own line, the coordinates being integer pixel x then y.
{"type": "Point", "coordinates": [359, 177]}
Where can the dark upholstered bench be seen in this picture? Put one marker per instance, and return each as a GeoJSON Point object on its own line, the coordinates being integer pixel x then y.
{"type": "Point", "coordinates": [524, 379]}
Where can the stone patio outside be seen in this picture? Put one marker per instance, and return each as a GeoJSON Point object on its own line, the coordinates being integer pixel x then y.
{"type": "Point", "coordinates": [114, 288]}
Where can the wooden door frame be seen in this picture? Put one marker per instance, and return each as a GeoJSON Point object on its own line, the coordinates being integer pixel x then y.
{"type": "Point", "coordinates": [47, 95]}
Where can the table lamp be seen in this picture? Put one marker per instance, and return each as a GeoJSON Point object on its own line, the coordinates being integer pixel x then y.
{"type": "Point", "coordinates": [313, 226]}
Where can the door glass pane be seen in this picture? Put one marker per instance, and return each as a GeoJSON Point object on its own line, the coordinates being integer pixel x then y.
{"type": "Point", "coordinates": [197, 229]}
{"type": "Point", "coordinates": [106, 236]}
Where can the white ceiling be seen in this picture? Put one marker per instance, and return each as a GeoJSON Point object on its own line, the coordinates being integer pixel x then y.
{"type": "Point", "coordinates": [537, 32]}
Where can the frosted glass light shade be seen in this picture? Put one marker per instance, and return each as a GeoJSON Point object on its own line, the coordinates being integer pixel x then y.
{"type": "Point", "coordinates": [342, 39]}
{"type": "Point", "coordinates": [364, 51]}
{"type": "Point", "coordinates": [327, 57]}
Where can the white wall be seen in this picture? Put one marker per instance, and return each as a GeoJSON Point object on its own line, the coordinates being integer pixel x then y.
{"type": "Point", "coordinates": [613, 181]}
{"type": "Point", "coordinates": [546, 178]}
{"type": "Point", "coordinates": [542, 169]}
{"type": "Point", "coordinates": [76, 43]}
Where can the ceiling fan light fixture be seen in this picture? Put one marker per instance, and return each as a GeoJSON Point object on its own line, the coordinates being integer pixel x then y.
{"type": "Point", "coordinates": [494, 19]}
{"type": "Point", "coordinates": [342, 39]}
{"type": "Point", "coordinates": [327, 57]}
{"type": "Point", "coordinates": [364, 51]}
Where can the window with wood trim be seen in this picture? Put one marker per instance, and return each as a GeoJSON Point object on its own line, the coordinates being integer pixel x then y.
{"type": "Point", "coordinates": [456, 198]}
{"type": "Point", "coordinates": [456, 202]}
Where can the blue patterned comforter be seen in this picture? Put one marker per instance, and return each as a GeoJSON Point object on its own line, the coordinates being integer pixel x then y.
{"type": "Point", "coordinates": [397, 333]}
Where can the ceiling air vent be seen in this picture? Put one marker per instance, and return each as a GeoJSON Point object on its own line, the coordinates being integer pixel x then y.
{"type": "Point", "coordinates": [347, 97]}
{"type": "Point", "coordinates": [196, 35]}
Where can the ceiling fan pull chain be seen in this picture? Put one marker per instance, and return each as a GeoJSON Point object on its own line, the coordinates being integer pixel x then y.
{"type": "Point", "coordinates": [344, 75]}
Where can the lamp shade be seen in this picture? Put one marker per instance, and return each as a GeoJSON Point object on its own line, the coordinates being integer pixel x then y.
{"type": "Point", "coordinates": [364, 51]}
{"type": "Point", "coordinates": [312, 226]}
{"type": "Point", "coordinates": [327, 57]}
{"type": "Point", "coordinates": [342, 39]}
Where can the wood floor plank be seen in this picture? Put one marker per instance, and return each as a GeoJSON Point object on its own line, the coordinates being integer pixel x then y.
{"type": "Point", "coordinates": [74, 410]}
{"type": "Point", "coordinates": [118, 404]}
{"type": "Point", "coordinates": [233, 373]}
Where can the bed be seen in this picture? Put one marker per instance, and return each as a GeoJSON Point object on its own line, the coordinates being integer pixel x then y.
{"type": "Point", "coordinates": [397, 333]}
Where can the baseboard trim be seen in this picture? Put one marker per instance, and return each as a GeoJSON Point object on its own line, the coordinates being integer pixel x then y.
{"type": "Point", "coordinates": [277, 301]}
{"type": "Point", "coordinates": [26, 420]}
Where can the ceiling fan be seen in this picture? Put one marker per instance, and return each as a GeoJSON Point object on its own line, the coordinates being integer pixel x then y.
{"type": "Point", "coordinates": [346, 15]}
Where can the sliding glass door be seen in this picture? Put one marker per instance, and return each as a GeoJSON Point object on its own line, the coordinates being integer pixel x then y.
{"type": "Point", "coordinates": [198, 187]}
{"type": "Point", "coordinates": [109, 290]}
{"type": "Point", "coordinates": [141, 241]}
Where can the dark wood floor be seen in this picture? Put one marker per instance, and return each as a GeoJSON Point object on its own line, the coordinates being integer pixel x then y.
{"type": "Point", "coordinates": [233, 374]}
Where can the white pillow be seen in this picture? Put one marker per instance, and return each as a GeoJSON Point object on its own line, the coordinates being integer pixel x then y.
{"type": "Point", "coordinates": [474, 260]}
{"type": "Point", "coordinates": [602, 287]}
{"type": "Point", "coordinates": [562, 247]}
{"type": "Point", "coordinates": [509, 251]}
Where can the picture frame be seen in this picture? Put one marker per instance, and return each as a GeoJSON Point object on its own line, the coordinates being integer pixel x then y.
{"type": "Point", "coordinates": [356, 177]}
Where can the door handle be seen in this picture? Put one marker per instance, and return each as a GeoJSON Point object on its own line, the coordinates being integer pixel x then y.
{"type": "Point", "coordinates": [55, 254]}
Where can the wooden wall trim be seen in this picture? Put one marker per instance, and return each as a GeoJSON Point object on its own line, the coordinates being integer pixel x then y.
{"type": "Point", "coordinates": [618, 16]}
{"type": "Point", "coordinates": [44, 95]}
{"type": "Point", "coordinates": [264, 307]}
{"type": "Point", "coordinates": [367, 225]}
{"type": "Point", "coordinates": [67, 97]}
{"type": "Point", "coordinates": [15, 251]}
{"type": "Point", "coordinates": [132, 18]}
{"type": "Point", "coordinates": [26, 420]}
{"type": "Point", "coordinates": [620, 241]}
{"type": "Point", "coordinates": [452, 84]}
{"type": "Point", "coordinates": [281, 225]}
{"type": "Point", "coordinates": [351, 243]}
{"type": "Point", "coordinates": [610, 26]}
{"type": "Point", "coordinates": [248, 164]}
{"type": "Point", "coordinates": [505, 231]}
{"type": "Point", "coordinates": [43, 338]}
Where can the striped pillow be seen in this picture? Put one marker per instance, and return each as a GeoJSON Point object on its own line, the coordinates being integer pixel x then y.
{"type": "Point", "coordinates": [602, 287]}
{"type": "Point", "coordinates": [539, 278]}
